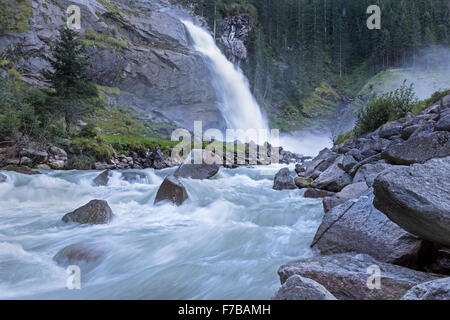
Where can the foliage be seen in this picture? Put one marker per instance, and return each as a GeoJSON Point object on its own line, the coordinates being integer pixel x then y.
{"type": "Point", "coordinates": [386, 107]}
{"type": "Point", "coordinates": [14, 16]}
{"type": "Point", "coordinates": [97, 148]}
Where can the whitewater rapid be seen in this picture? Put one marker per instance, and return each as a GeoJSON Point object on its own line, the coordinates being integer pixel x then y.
{"type": "Point", "coordinates": [226, 242]}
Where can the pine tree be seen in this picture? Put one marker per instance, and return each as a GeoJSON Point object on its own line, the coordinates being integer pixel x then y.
{"type": "Point", "coordinates": [69, 77]}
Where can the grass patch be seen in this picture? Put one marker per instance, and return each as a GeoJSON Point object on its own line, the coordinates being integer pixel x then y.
{"type": "Point", "coordinates": [102, 40]}
{"type": "Point", "coordinates": [15, 15]}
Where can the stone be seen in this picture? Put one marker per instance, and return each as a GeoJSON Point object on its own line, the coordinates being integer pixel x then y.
{"type": "Point", "coordinates": [334, 178]}
{"type": "Point", "coordinates": [58, 152]}
{"type": "Point", "coordinates": [443, 124]}
{"type": "Point", "coordinates": [299, 288]}
{"type": "Point", "coordinates": [300, 168]}
{"type": "Point", "coordinates": [317, 193]}
{"type": "Point", "coordinates": [390, 129]}
{"type": "Point", "coordinates": [320, 163]}
{"type": "Point", "coordinates": [432, 290]}
{"type": "Point", "coordinates": [357, 226]}
{"type": "Point", "coordinates": [57, 164]}
{"type": "Point", "coordinates": [3, 178]}
{"type": "Point", "coordinates": [346, 276]}
{"type": "Point", "coordinates": [35, 155]}
{"type": "Point", "coordinates": [21, 170]}
{"type": "Point", "coordinates": [25, 161]}
{"type": "Point", "coordinates": [284, 181]}
{"type": "Point", "coordinates": [302, 183]}
{"type": "Point", "coordinates": [419, 149]}
{"type": "Point", "coordinates": [95, 212]}
{"type": "Point", "coordinates": [84, 255]}
{"type": "Point", "coordinates": [368, 172]}
{"type": "Point", "coordinates": [172, 190]}
{"type": "Point", "coordinates": [348, 163]}
{"type": "Point", "coordinates": [352, 191]}
{"type": "Point", "coordinates": [417, 198]}
{"type": "Point", "coordinates": [102, 179]}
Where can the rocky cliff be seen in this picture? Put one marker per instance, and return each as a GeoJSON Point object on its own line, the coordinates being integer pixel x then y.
{"type": "Point", "coordinates": [140, 47]}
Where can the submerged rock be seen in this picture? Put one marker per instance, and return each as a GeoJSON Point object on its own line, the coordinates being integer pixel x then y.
{"type": "Point", "coordinates": [417, 198]}
{"type": "Point", "coordinates": [3, 178]}
{"type": "Point", "coordinates": [359, 227]}
{"type": "Point", "coordinates": [81, 254]}
{"type": "Point", "coordinates": [102, 179]}
{"type": "Point", "coordinates": [346, 276]}
{"type": "Point", "coordinates": [299, 288]}
{"type": "Point", "coordinates": [284, 181]}
{"type": "Point", "coordinates": [21, 170]}
{"type": "Point", "coordinates": [432, 290]}
{"type": "Point", "coordinates": [171, 190]}
{"type": "Point", "coordinates": [133, 177]}
{"type": "Point", "coordinates": [95, 212]}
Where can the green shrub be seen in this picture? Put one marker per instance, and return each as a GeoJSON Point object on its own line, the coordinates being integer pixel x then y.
{"type": "Point", "coordinates": [81, 162]}
{"type": "Point", "coordinates": [88, 131]}
{"type": "Point", "coordinates": [344, 138]}
{"type": "Point", "coordinates": [97, 148]}
{"type": "Point", "coordinates": [387, 107]}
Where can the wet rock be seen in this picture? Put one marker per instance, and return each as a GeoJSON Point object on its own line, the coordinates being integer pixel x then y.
{"type": "Point", "coordinates": [417, 198]}
{"type": "Point", "coordinates": [102, 179]}
{"type": "Point", "coordinates": [95, 212]}
{"type": "Point", "coordinates": [302, 183]}
{"type": "Point", "coordinates": [133, 177]}
{"type": "Point", "coordinates": [432, 290]}
{"type": "Point", "coordinates": [346, 276]}
{"type": "Point", "coordinates": [3, 178]}
{"type": "Point", "coordinates": [208, 166]}
{"type": "Point", "coordinates": [22, 170]}
{"type": "Point", "coordinates": [360, 227]}
{"type": "Point", "coordinates": [284, 181]}
{"type": "Point", "coordinates": [35, 155]}
{"type": "Point", "coordinates": [172, 190]}
{"type": "Point", "coordinates": [299, 288]}
{"type": "Point", "coordinates": [419, 149]}
{"type": "Point", "coordinates": [317, 193]}
{"type": "Point", "coordinates": [300, 168]}
{"type": "Point", "coordinates": [352, 191]}
{"type": "Point", "coordinates": [85, 255]}
{"type": "Point", "coordinates": [334, 178]}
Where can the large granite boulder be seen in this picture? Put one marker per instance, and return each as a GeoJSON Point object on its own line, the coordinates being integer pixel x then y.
{"type": "Point", "coordinates": [299, 288]}
{"type": "Point", "coordinates": [284, 181]}
{"type": "Point", "coordinates": [432, 290]}
{"type": "Point", "coordinates": [346, 276]}
{"type": "Point", "coordinates": [443, 124]}
{"type": "Point", "coordinates": [207, 166]}
{"type": "Point", "coordinates": [352, 191]}
{"type": "Point", "coordinates": [171, 190]}
{"type": "Point", "coordinates": [368, 172]}
{"type": "Point", "coordinates": [359, 227]}
{"type": "Point", "coordinates": [417, 198]}
{"type": "Point", "coordinates": [95, 212]}
{"type": "Point", "coordinates": [419, 149]}
{"type": "Point", "coordinates": [334, 178]}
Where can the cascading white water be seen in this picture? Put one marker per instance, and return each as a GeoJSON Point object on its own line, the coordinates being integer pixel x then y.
{"type": "Point", "coordinates": [238, 106]}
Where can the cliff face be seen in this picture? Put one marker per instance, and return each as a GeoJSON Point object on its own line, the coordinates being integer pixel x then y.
{"type": "Point", "coordinates": [139, 47]}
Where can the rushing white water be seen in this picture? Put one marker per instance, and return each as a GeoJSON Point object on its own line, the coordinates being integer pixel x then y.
{"type": "Point", "coordinates": [226, 242]}
{"type": "Point", "coordinates": [238, 106]}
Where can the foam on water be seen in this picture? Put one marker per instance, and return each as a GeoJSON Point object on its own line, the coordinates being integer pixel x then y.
{"type": "Point", "coordinates": [226, 242]}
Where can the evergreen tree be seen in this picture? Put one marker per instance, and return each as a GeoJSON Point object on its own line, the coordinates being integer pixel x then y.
{"type": "Point", "coordinates": [69, 77]}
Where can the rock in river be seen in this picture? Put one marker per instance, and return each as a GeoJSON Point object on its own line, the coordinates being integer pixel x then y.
{"type": "Point", "coordinates": [417, 198]}
{"type": "Point", "coordinates": [95, 212]}
{"type": "Point", "coordinates": [171, 190]}
{"type": "Point", "coordinates": [284, 180]}
{"type": "Point", "coordinates": [102, 179]}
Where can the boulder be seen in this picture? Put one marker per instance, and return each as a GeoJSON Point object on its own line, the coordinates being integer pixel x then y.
{"type": "Point", "coordinates": [21, 170]}
{"type": "Point", "coordinates": [133, 177]}
{"type": "Point", "coordinates": [390, 129]}
{"type": "Point", "coordinates": [443, 124]}
{"type": "Point", "coordinates": [368, 172]}
{"type": "Point", "coordinates": [172, 190]}
{"type": "Point", "coordinates": [35, 155]}
{"type": "Point", "coordinates": [334, 178]}
{"type": "Point", "coordinates": [317, 193]}
{"type": "Point", "coordinates": [284, 181]}
{"type": "Point", "coordinates": [95, 212]}
{"type": "Point", "coordinates": [346, 276]}
{"type": "Point", "coordinates": [441, 263]}
{"type": "Point", "coordinates": [419, 149]}
{"type": "Point", "coordinates": [431, 290]}
{"type": "Point", "coordinates": [3, 178]}
{"type": "Point", "coordinates": [302, 183]}
{"type": "Point", "coordinates": [300, 168]}
{"type": "Point", "coordinates": [102, 179]}
{"type": "Point", "coordinates": [25, 161]}
{"type": "Point", "coordinates": [417, 198]}
{"type": "Point", "coordinates": [320, 163]}
{"type": "Point", "coordinates": [58, 152]}
{"type": "Point", "coordinates": [299, 288]}
{"type": "Point", "coordinates": [352, 191]}
{"type": "Point", "coordinates": [408, 131]}
{"type": "Point", "coordinates": [359, 227]}
{"type": "Point", "coordinates": [57, 164]}
{"type": "Point", "coordinates": [205, 166]}
{"type": "Point", "coordinates": [85, 255]}
{"type": "Point", "coordinates": [348, 163]}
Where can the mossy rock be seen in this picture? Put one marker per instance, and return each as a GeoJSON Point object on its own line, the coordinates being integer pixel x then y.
{"type": "Point", "coordinates": [301, 182]}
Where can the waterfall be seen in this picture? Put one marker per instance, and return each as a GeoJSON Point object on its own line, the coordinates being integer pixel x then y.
{"type": "Point", "coordinates": [238, 106]}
